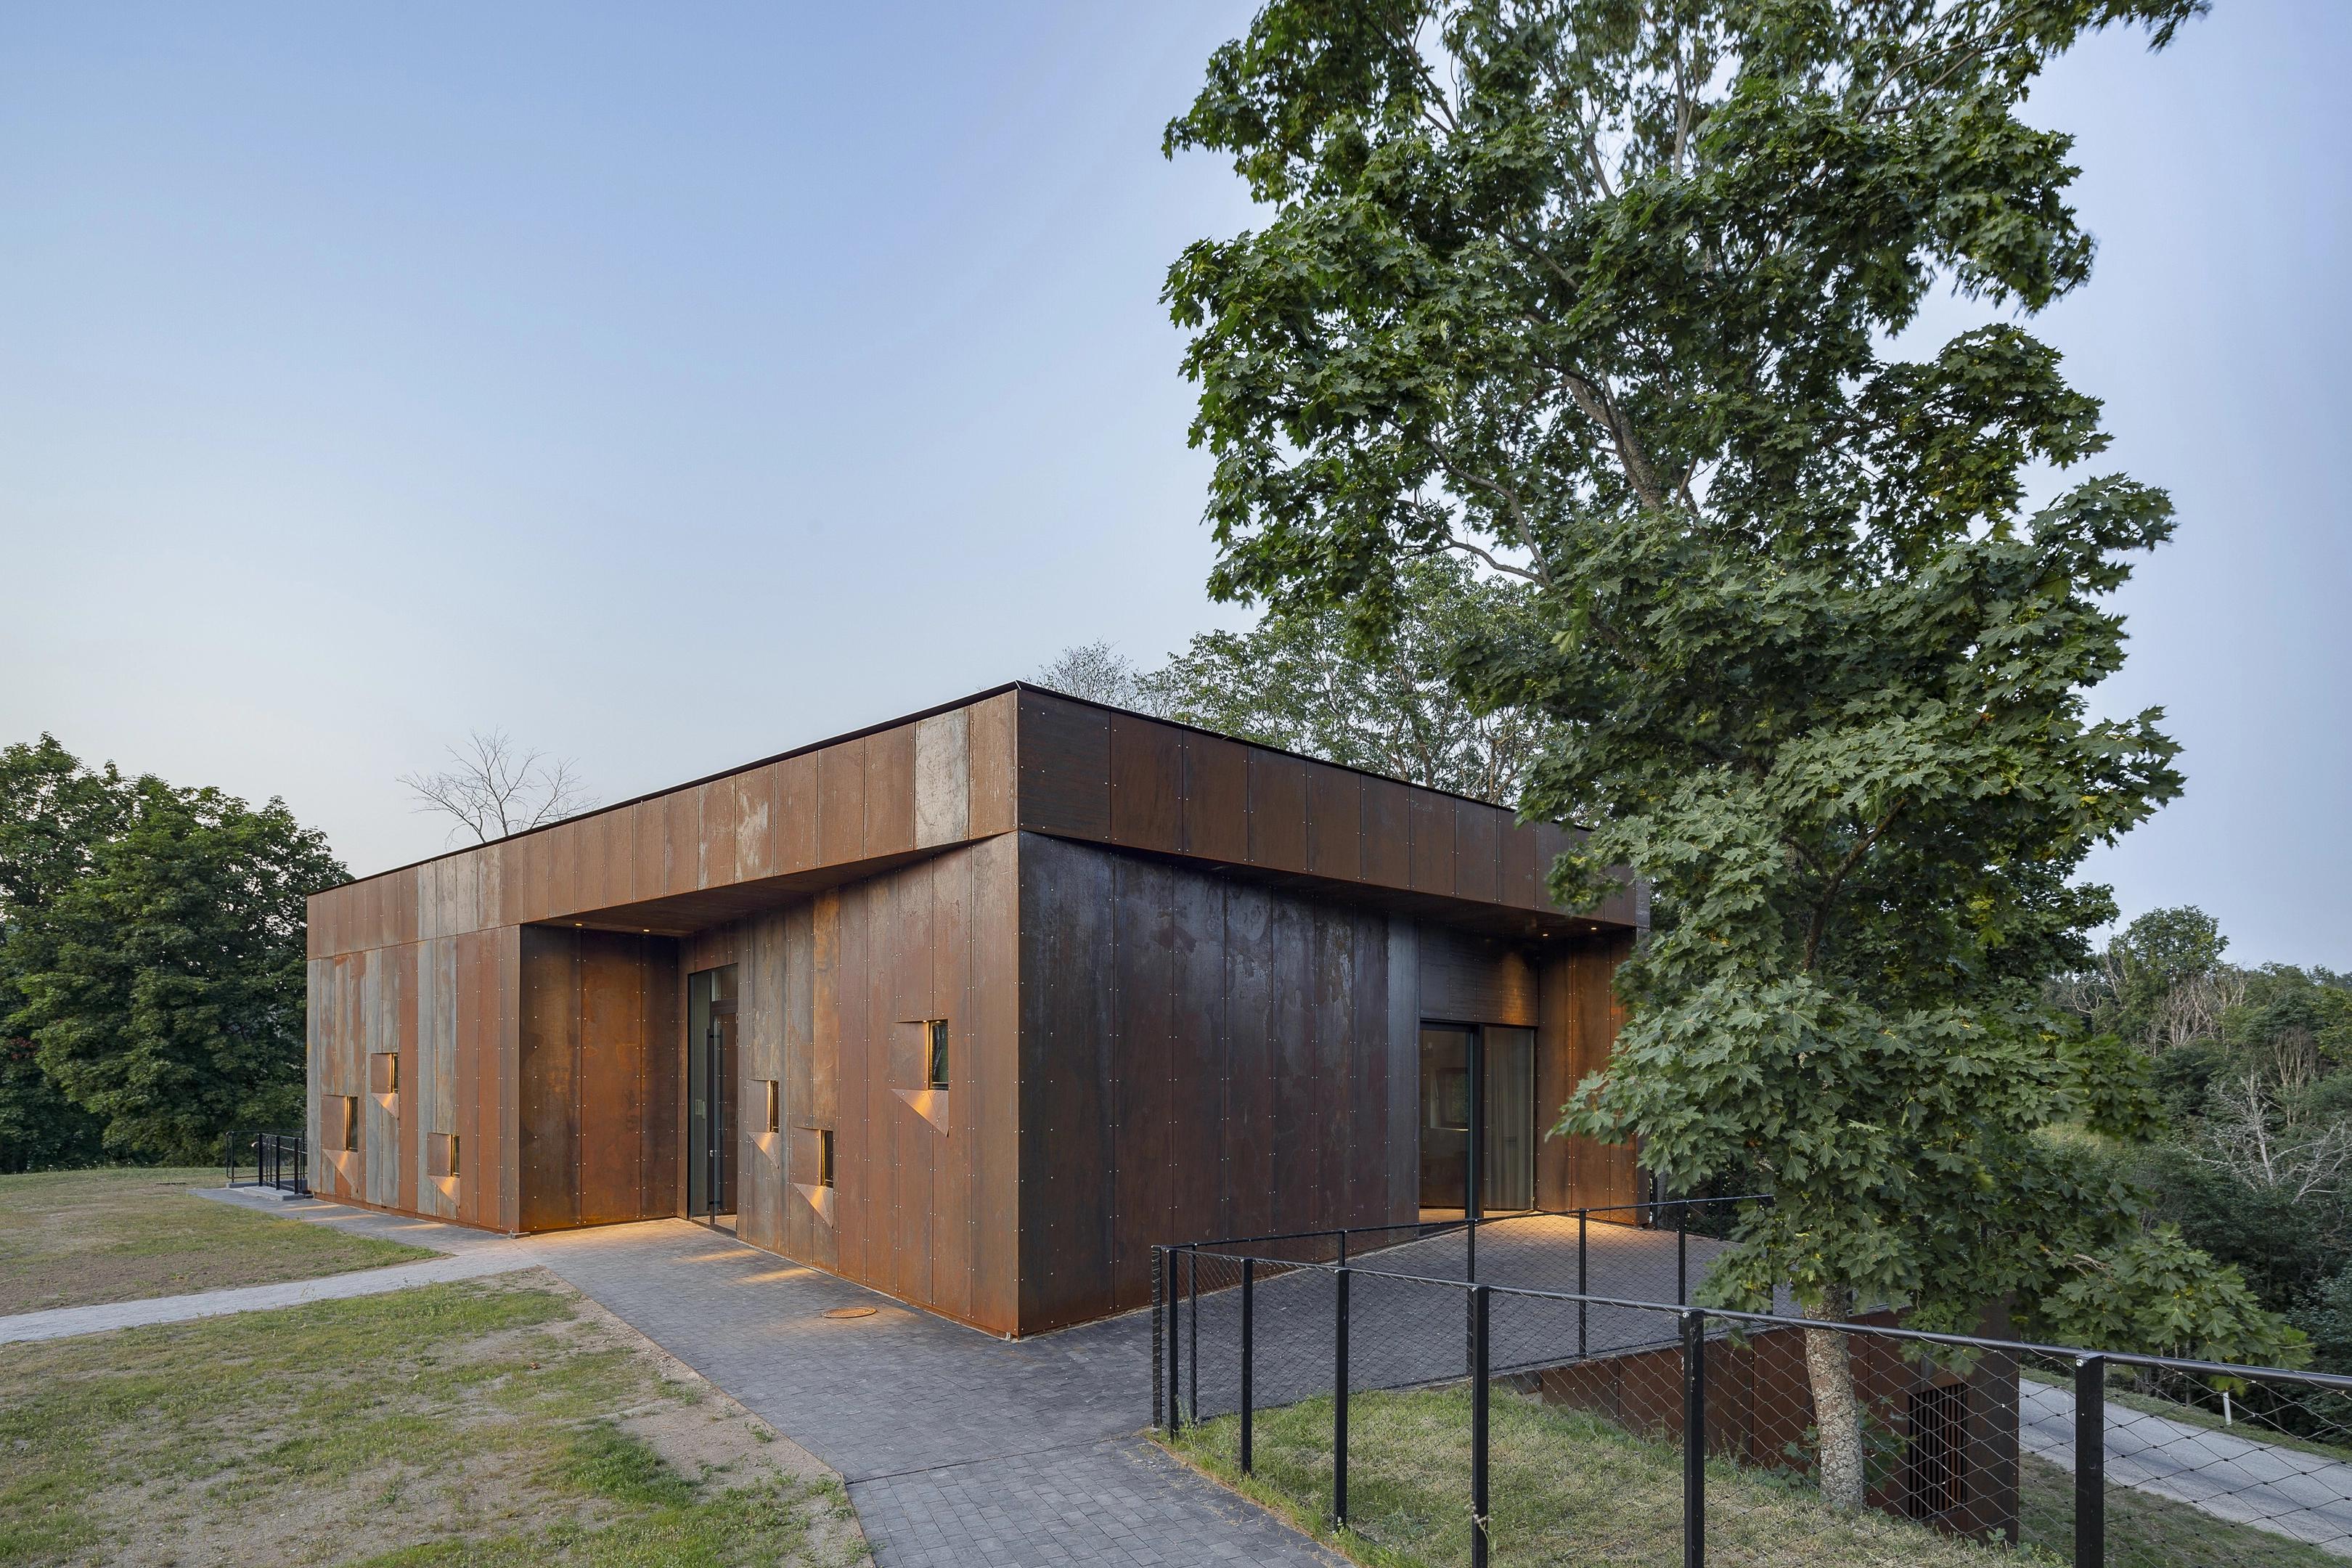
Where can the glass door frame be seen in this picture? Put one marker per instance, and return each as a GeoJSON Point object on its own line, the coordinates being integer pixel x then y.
{"type": "Point", "coordinates": [1475, 1070]}
{"type": "Point", "coordinates": [711, 1051]}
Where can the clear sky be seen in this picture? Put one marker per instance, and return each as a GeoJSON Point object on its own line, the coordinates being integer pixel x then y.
{"type": "Point", "coordinates": [672, 385]}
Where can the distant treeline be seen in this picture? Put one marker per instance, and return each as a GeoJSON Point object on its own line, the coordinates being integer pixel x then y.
{"type": "Point", "coordinates": [151, 963]}
{"type": "Point", "coordinates": [2252, 1155]}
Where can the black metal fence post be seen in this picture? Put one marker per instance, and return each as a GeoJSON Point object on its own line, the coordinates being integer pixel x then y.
{"type": "Point", "coordinates": [1339, 1397]}
{"type": "Point", "coordinates": [1175, 1348]}
{"type": "Point", "coordinates": [1682, 1254]}
{"type": "Point", "coordinates": [1693, 1440]}
{"type": "Point", "coordinates": [1249, 1330]}
{"type": "Point", "coordinates": [2090, 1461]}
{"type": "Point", "coordinates": [1583, 1219]}
{"type": "Point", "coordinates": [1192, 1330]}
{"type": "Point", "coordinates": [1480, 1315]}
{"type": "Point", "coordinates": [1160, 1416]}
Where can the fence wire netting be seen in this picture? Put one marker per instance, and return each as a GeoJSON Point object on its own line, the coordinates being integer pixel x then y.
{"type": "Point", "coordinates": [1340, 1375]}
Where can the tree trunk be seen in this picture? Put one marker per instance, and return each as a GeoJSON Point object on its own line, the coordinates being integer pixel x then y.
{"type": "Point", "coordinates": [1837, 1413]}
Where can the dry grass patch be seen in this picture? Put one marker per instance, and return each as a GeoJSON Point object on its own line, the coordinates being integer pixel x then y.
{"type": "Point", "coordinates": [74, 1238]}
{"type": "Point", "coordinates": [507, 1421]}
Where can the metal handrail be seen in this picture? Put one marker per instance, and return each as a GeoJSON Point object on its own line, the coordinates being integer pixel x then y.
{"type": "Point", "coordinates": [1440, 1226]}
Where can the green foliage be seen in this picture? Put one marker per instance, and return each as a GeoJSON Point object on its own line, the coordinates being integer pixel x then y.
{"type": "Point", "coordinates": [54, 813]}
{"type": "Point", "coordinates": [2152, 1291]}
{"type": "Point", "coordinates": [155, 952]}
{"type": "Point", "coordinates": [1600, 296]}
{"type": "Point", "coordinates": [1311, 682]}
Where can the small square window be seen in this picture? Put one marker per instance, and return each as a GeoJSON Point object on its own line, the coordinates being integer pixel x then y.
{"type": "Point", "coordinates": [825, 1157]}
{"type": "Point", "coordinates": [441, 1154]}
{"type": "Point", "coordinates": [775, 1106]}
{"type": "Point", "coordinates": [339, 1122]}
{"type": "Point", "coordinates": [938, 1031]}
{"type": "Point", "coordinates": [383, 1073]}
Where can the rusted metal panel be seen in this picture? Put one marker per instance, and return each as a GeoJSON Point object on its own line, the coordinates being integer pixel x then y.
{"type": "Point", "coordinates": [504, 1100]}
{"type": "Point", "coordinates": [1066, 1201]}
{"type": "Point", "coordinates": [1332, 1026]}
{"type": "Point", "coordinates": [1289, 1051]}
{"type": "Point", "coordinates": [1147, 773]}
{"type": "Point", "coordinates": [993, 1095]}
{"type": "Point", "coordinates": [1387, 833]}
{"type": "Point", "coordinates": [436, 1096]}
{"type": "Point", "coordinates": [403, 1106]}
{"type": "Point", "coordinates": [547, 1079]}
{"type": "Point", "coordinates": [1476, 868]}
{"type": "Point", "coordinates": [1142, 950]}
{"type": "Point", "coordinates": [953, 997]}
{"type": "Point", "coordinates": [760, 1055]}
{"type": "Point", "coordinates": [1216, 798]}
{"type": "Point", "coordinates": [1064, 752]}
{"type": "Point", "coordinates": [720, 808]}
{"type": "Point", "coordinates": [1522, 873]}
{"type": "Point", "coordinates": [1468, 979]}
{"type": "Point", "coordinates": [841, 803]}
{"type": "Point", "coordinates": [890, 791]}
{"type": "Point", "coordinates": [824, 1055]}
{"type": "Point", "coordinates": [1277, 811]}
{"type": "Point", "coordinates": [1196, 1058]}
{"type": "Point", "coordinates": [855, 1157]}
{"type": "Point", "coordinates": [682, 841]}
{"type": "Point", "coordinates": [943, 778]}
{"type": "Point", "coordinates": [1404, 1067]}
{"type": "Point", "coordinates": [796, 808]}
{"type": "Point", "coordinates": [1373, 1132]}
{"type": "Point", "coordinates": [1335, 822]}
{"type": "Point", "coordinates": [1431, 819]}
{"type": "Point", "coordinates": [1252, 1033]}
{"type": "Point", "coordinates": [996, 726]}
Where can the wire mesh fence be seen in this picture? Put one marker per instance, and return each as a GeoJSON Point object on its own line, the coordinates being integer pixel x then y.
{"type": "Point", "coordinates": [1460, 1420]}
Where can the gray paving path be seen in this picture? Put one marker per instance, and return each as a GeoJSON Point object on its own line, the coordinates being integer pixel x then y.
{"type": "Point", "coordinates": [959, 1449]}
{"type": "Point", "coordinates": [472, 1257]}
{"type": "Point", "coordinates": [2284, 1491]}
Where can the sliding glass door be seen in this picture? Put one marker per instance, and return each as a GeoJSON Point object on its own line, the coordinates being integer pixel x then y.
{"type": "Point", "coordinates": [1477, 1082]}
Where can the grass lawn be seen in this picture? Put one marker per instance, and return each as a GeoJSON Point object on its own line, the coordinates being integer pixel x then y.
{"type": "Point", "coordinates": [501, 1422]}
{"type": "Point", "coordinates": [1566, 1485]}
{"type": "Point", "coordinates": [2149, 1532]}
{"type": "Point", "coordinates": [70, 1238]}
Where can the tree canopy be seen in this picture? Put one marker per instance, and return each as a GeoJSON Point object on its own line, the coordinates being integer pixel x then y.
{"type": "Point", "coordinates": [1602, 295]}
{"type": "Point", "coordinates": [153, 966]}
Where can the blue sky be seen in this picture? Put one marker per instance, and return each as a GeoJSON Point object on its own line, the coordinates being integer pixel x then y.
{"type": "Point", "coordinates": [673, 385]}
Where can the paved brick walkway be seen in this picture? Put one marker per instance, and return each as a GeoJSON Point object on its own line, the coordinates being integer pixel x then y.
{"type": "Point", "coordinates": [957, 1448]}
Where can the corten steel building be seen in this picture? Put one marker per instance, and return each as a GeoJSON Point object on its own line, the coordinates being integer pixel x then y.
{"type": "Point", "coordinates": [973, 1007]}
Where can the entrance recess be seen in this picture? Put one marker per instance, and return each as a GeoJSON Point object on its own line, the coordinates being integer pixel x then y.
{"type": "Point", "coordinates": [710, 1097]}
{"type": "Point", "coordinates": [1477, 1120]}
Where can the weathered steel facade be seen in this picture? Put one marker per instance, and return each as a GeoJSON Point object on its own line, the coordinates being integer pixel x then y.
{"type": "Point", "coordinates": [1181, 979]}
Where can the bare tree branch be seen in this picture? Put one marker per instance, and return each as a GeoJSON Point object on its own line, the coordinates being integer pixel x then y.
{"type": "Point", "coordinates": [494, 789]}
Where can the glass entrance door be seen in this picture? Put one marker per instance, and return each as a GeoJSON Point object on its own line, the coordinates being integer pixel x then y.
{"type": "Point", "coordinates": [710, 1096]}
{"type": "Point", "coordinates": [1478, 1118]}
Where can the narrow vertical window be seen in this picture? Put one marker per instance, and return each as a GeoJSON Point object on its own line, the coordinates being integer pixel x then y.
{"type": "Point", "coordinates": [775, 1106]}
{"type": "Point", "coordinates": [825, 1157]}
{"type": "Point", "coordinates": [351, 1139]}
{"type": "Point", "coordinates": [938, 1052]}
{"type": "Point", "coordinates": [454, 1147]}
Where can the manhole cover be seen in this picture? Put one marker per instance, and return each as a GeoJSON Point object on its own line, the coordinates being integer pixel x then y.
{"type": "Point", "coordinates": [851, 1312]}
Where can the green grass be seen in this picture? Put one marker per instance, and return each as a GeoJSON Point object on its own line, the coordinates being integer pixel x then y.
{"type": "Point", "coordinates": [2149, 1532]}
{"type": "Point", "coordinates": [73, 1238]}
{"type": "Point", "coordinates": [1564, 1486]}
{"type": "Point", "coordinates": [1568, 1486]}
{"type": "Point", "coordinates": [485, 1421]}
